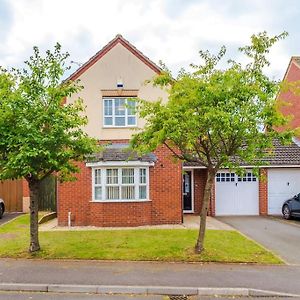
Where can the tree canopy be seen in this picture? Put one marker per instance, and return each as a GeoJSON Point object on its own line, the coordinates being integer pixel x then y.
{"type": "Point", "coordinates": [39, 133]}
{"type": "Point", "coordinates": [216, 117]}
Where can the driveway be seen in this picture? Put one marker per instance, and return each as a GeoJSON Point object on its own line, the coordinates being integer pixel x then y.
{"type": "Point", "coordinates": [8, 216]}
{"type": "Point", "coordinates": [280, 236]}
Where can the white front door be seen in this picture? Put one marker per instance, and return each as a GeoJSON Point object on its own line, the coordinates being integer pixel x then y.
{"type": "Point", "coordinates": [236, 195]}
{"type": "Point", "coordinates": [282, 185]}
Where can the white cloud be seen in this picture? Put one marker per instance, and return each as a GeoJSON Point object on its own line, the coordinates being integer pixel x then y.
{"type": "Point", "coordinates": [173, 31]}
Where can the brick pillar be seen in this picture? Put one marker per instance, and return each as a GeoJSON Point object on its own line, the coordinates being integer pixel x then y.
{"type": "Point", "coordinates": [200, 176]}
{"type": "Point", "coordinates": [263, 192]}
{"type": "Point", "coordinates": [26, 196]}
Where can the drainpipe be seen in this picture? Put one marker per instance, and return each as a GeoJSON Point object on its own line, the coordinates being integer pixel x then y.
{"type": "Point", "coordinates": [69, 219]}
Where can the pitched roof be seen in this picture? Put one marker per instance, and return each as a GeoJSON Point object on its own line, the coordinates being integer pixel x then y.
{"type": "Point", "coordinates": [282, 155]}
{"type": "Point", "coordinates": [117, 40]}
{"type": "Point", "coordinates": [296, 59]}
{"type": "Point", "coordinates": [120, 152]}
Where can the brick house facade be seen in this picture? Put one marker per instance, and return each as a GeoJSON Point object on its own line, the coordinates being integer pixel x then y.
{"type": "Point", "coordinates": [164, 205]}
{"type": "Point", "coordinates": [118, 189]}
{"type": "Point", "coordinates": [292, 99]}
{"type": "Point", "coordinates": [107, 191]}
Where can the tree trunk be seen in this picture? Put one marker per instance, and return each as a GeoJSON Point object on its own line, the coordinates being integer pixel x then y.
{"type": "Point", "coordinates": [34, 209]}
{"type": "Point", "coordinates": [207, 194]}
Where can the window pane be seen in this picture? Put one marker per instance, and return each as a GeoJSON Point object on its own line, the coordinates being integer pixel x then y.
{"type": "Point", "coordinates": [120, 107]}
{"type": "Point", "coordinates": [108, 120]}
{"type": "Point", "coordinates": [127, 176]}
{"type": "Point", "coordinates": [142, 175]}
{"type": "Point", "coordinates": [131, 121]}
{"type": "Point", "coordinates": [128, 192]}
{"type": "Point", "coordinates": [98, 193]}
{"type": "Point", "coordinates": [120, 121]}
{"type": "Point", "coordinates": [108, 107]}
{"type": "Point", "coordinates": [131, 107]}
{"type": "Point", "coordinates": [143, 192]}
{"type": "Point", "coordinates": [112, 192]}
{"type": "Point", "coordinates": [98, 176]}
{"type": "Point", "coordinates": [112, 176]}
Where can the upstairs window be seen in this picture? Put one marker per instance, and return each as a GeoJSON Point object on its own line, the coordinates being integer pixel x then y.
{"type": "Point", "coordinates": [119, 112]}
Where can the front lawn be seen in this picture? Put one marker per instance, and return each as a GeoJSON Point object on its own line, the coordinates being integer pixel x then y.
{"type": "Point", "coordinates": [141, 244]}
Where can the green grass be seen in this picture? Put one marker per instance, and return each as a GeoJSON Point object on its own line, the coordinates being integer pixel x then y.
{"type": "Point", "coordinates": [147, 244]}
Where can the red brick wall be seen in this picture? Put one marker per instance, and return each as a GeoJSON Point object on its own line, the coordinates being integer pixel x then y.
{"type": "Point", "coordinates": [293, 109]}
{"type": "Point", "coordinates": [165, 206]}
{"type": "Point", "coordinates": [263, 192]}
{"type": "Point", "coordinates": [25, 188]}
{"type": "Point", "coordinates": [199, 185]}
{"type": "Point", "coordinates": [166, 189]}
{"type": "Point", "coordinates": [120, 214]}
{"type": "Point", "coordinates": [74, 197]}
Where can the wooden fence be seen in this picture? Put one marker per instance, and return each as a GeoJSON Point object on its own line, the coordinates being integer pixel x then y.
{"type": "Point", "coordinates": [11, 192]}
{"type": "Point", "coordinates": [47, 200]}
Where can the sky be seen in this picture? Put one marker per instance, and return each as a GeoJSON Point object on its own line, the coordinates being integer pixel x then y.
{"type": "Point", "coordinates": [172, 31]}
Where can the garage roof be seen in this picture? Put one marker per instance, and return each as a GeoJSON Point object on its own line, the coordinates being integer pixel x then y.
{"type": "Point", "coordinates": [281, 155]}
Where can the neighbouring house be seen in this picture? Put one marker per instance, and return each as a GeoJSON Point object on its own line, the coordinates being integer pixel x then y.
{"type": "Point", "coordinates": [292, 99]}
{"type": "Point", "coordinates": [119, 188]}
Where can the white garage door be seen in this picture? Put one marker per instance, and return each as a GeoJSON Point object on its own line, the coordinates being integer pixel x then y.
{"type": "Point", "coordinates": [282, 185]}
{"type": "Point", "coordinates": [236, 195]}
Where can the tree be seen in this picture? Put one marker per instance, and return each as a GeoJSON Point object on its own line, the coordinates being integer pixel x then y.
{"type": "Point", "coordinates": [39, 134]}
{"type": "Point", "coordinates": [216, 117]}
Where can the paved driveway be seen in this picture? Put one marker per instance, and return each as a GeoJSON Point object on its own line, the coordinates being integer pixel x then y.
{"type": "Point", "coordinates": [8, 216]}
{"type": "Point", "coordinates": [281, 237]}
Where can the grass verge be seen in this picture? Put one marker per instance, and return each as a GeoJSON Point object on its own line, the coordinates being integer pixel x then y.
{"type": "Point", "coordinates": [147, 244]}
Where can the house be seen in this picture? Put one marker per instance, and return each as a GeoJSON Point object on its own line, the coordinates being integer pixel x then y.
{"type": "Point", "coordinates": [118, 188]}
{"type": "Point", "coordinates": [292, 74]}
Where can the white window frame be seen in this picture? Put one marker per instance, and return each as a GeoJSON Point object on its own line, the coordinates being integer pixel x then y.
{"type": "Point", "coordinates": [136, 184]}
{"type": "Point", "coordinates": [113, 116]}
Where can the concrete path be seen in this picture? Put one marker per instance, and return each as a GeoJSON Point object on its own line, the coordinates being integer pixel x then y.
{"type": "Point", "coordinates": [8, 217]}
{"type": "Point", "coordinates": [72, 296]}
{"type": "Point", "coordinates": [189, 222]}
{"type": "Point", "coordinates": [280, 236]}
{"type": "Point", "coordinates": [283, 279]}
{"type": "Point", "coordinates": [50, 296]}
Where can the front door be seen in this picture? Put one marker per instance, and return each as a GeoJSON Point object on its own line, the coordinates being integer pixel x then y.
{"type": "Point", "coordinates": [187, 192]}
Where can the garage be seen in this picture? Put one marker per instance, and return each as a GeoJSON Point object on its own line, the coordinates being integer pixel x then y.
{"type": "Point", "coordinates": [236, 195]}
{"type": "Point", "coordinates": [283, 183]}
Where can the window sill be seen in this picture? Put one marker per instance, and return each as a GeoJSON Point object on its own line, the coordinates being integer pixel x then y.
{"type": "Point", "coordinates": [119, 201]}
{"type": "Point", "coordinates": [118, 127]}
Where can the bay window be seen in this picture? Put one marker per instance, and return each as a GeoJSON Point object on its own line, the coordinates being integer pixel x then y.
{"type": "Point", "coordinates": [120, 184]}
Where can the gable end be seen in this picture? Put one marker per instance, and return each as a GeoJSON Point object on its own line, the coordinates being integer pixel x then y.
{"type": "Point", "coordinates": [107, 48]}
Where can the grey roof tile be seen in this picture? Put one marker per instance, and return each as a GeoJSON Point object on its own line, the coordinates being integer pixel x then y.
{"type": "Point", "coordinates": [281, 155]}
{"type": "Point", "coordinates": [120, 152]}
